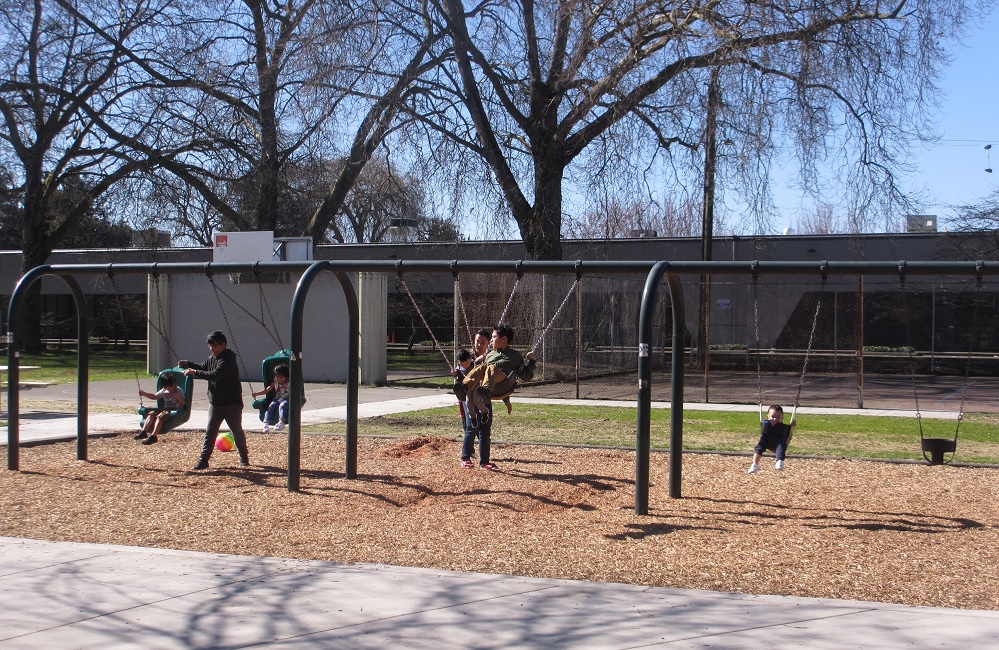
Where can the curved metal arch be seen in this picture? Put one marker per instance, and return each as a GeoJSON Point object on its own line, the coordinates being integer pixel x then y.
{"type": "Point", "coordinates": [644, 416]}
{"type": "Point", "coordinates": [295, 367]}
{"type": "Point", "coordinates": [14, 313]}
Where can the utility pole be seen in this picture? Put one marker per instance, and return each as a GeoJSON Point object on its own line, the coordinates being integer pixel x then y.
{"type": "Point", "coordinates": [707, 225]}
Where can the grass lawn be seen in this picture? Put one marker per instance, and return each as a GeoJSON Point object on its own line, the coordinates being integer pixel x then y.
{"type": "Point", "coordinates": [852, 436]}
{"type": "Point", "coordinates": [59, 366]}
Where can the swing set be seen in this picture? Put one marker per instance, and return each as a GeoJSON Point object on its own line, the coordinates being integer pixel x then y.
{"type": "Point", "coordinates": [504, 389]}
{"type": "Point", "coordinates": [934, 450]}
{"type": "Point", "coordinates": [808, 348]}
{"type": "Point", "coordinates": [185, 382]}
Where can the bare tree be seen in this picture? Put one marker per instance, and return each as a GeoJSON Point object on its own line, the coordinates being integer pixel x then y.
{"type": "Point", "coordinates": [819, 221]}
{"type": "Point", "coordinates": [542, 82]}
{"type": "Point", "coordinates": [64, 95]}
{"type": "Point", "coordinates": [616, 219]}
{"type": "Point", "coordinates": [981, 217]}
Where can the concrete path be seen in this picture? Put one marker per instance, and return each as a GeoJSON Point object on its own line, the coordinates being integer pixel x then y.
{"type": "Point", "coordinates": [62, 595]}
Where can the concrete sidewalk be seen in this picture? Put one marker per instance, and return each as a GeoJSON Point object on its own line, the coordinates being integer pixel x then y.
{"type": "Point", "coordinates": [63, 595]}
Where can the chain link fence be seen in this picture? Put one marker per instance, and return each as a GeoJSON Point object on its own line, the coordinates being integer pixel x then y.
{"type": "Point", "coordinates": [847, 341]}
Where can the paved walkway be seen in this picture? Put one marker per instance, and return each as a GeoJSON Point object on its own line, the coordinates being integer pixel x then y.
{"type": "Point", "coordinates": [85, 595]}
{"type": "Point", "coordinates": [62, 595]}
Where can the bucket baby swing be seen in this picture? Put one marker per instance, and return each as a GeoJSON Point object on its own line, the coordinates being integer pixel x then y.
{"type": "Point", "coordinates": [185, 383]}
{"type": "Point", "coordinates": [935, 450]}
{"type": "Point", "coordinates": [268, 365]}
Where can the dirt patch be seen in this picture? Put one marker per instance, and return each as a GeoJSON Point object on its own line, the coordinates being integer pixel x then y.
{"type": "Point", "coordinates": [910, 534]}
{"type": "Point", "coordinates": [420, 446]}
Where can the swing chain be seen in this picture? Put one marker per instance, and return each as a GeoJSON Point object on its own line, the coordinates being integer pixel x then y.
{"type": "Point", "coordinates": [232, 334]}
{"type": "Point", "coordinates": [513, 292]}
{"type": "Point", "coordinates": [419, 313]}
{"type": "Point", "coordinates": [121, 316]}
{"type": "Point", "coordinates": [264, 304]}
{"type": "Point", "coordinates": [909, 346]}
{"type": "Point", "coordinates": [161, 317]}
{"type": "Point", "coordinates": [558, 311]}
{"type": "Point", "coordinates": [460, 299]}
{"type": "Point", "coordinates": [258, 320]}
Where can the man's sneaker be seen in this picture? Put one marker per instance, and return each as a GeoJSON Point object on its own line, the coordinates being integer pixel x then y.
{"type": "Point", "coordinates": [487, 466]}
{"type": "Point", "coordinates": [780, 465]}
{"type": "Point", "coordinates": [280, 425]}
{"type": "Point", "coordinates": [151, 440]}
{"type": "Point", "coordinates": [244, 462]}
{"type": "Point", "coordinates": [200, 466]}
{"type": "Point", "coordinates": [140, 435]}
{"type": "Point", "coordinates": [267, 427]}
{"type": "Point", "coordinates": [754, 468]}
{"type": "Point", "coordinates": [467, 464]}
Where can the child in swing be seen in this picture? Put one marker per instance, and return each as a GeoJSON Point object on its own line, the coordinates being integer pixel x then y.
{"type": "Point", "coordinates": [461, 369]}
{"type": "Point", "coordinates": [279, 402]}
{"type": "Point", "coordinates": [494, 367]}
{"type": "Point", "coordinates": [173, 399]}
{"type": "Point", "coordinates": [775, 435]}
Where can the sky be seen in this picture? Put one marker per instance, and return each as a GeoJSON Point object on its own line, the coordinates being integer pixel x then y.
{"type": "Point", "coordinates": [954, 169]}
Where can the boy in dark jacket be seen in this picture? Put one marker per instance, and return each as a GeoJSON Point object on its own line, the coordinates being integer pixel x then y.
{"type": "Point", "coordinates": [225, 396]}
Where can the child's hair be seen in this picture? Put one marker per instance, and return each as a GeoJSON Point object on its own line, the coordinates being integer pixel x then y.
{"type": "Point", "coordinates": [775, 407]}
{"type": "Point", "coordinates": [216, 337]}
{"type": "Point", "coordinates": [167, 379]}
{"type": "Point", "coordinates": [464, 355]}
{"type": "Point", "coordinates": [504, 331]}
{"type": "Point", "coordinates": [281, 369]}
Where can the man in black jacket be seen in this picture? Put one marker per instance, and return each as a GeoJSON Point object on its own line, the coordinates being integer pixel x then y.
{"type": "Point", "coordinates": [225, 396]}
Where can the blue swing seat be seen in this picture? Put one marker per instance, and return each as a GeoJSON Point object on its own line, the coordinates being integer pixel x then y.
{"type": "Point", "coordinates": [178, 417]}
{"type": "Point", "coordinates": [267, 367]}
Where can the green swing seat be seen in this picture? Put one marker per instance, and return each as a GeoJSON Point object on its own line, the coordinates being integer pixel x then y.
{"type": "Point", "coordinates": [180, 416]}
{"type": "Point", "coordinates": [267, 367]}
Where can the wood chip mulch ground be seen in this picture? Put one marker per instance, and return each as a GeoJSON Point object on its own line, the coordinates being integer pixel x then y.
{"type": "Point", "coordinates": [912, 534]}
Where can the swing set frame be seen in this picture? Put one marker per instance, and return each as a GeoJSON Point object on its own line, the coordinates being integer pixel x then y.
{"type": "Point", "coordinates": [655, 273]}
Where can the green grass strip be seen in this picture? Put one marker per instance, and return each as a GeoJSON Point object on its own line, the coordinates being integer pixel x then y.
{"type": "Point", "coordinates": [850, 436]}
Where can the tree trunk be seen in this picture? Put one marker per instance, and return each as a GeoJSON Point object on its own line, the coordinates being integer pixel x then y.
{"type": "Point", "coordinates": [28, 331]}
{"type": "Point", "coordinates": [541, 226]}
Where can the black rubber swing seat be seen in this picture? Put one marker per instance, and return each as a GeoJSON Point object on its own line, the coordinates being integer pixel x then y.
{"type": "Point", "coordinates": [937, 447]}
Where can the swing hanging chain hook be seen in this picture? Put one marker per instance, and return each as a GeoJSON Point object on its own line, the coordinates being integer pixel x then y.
{"type": "Point", "coordinates": [520, 269]}
{"type": "Point", "coordinates": [755, 268]}
{"type": "Point", "coordinates": [979, 272]}
{"type": "Point", "coordinates": [454, 269]}
{"type": "Point", "coordinates": [901, 274]}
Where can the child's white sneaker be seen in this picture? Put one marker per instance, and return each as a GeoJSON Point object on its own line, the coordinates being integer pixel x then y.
{"type": "Point", "coordinates": [267, 427]}
{"type": "Point", "coordinates": [754, 468]}
{"type": "Point", "coordinates": [280, 425]}
{"type": "Point", "coordinates": [780, 465]}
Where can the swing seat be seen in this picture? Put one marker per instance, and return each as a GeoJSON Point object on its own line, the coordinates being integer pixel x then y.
{"type": "Point", "coordinates": [267, 367]}
{"type": "Point", "coordinates": [936, 448]}
{"type": "Point", "coordinates": [178, 417]}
